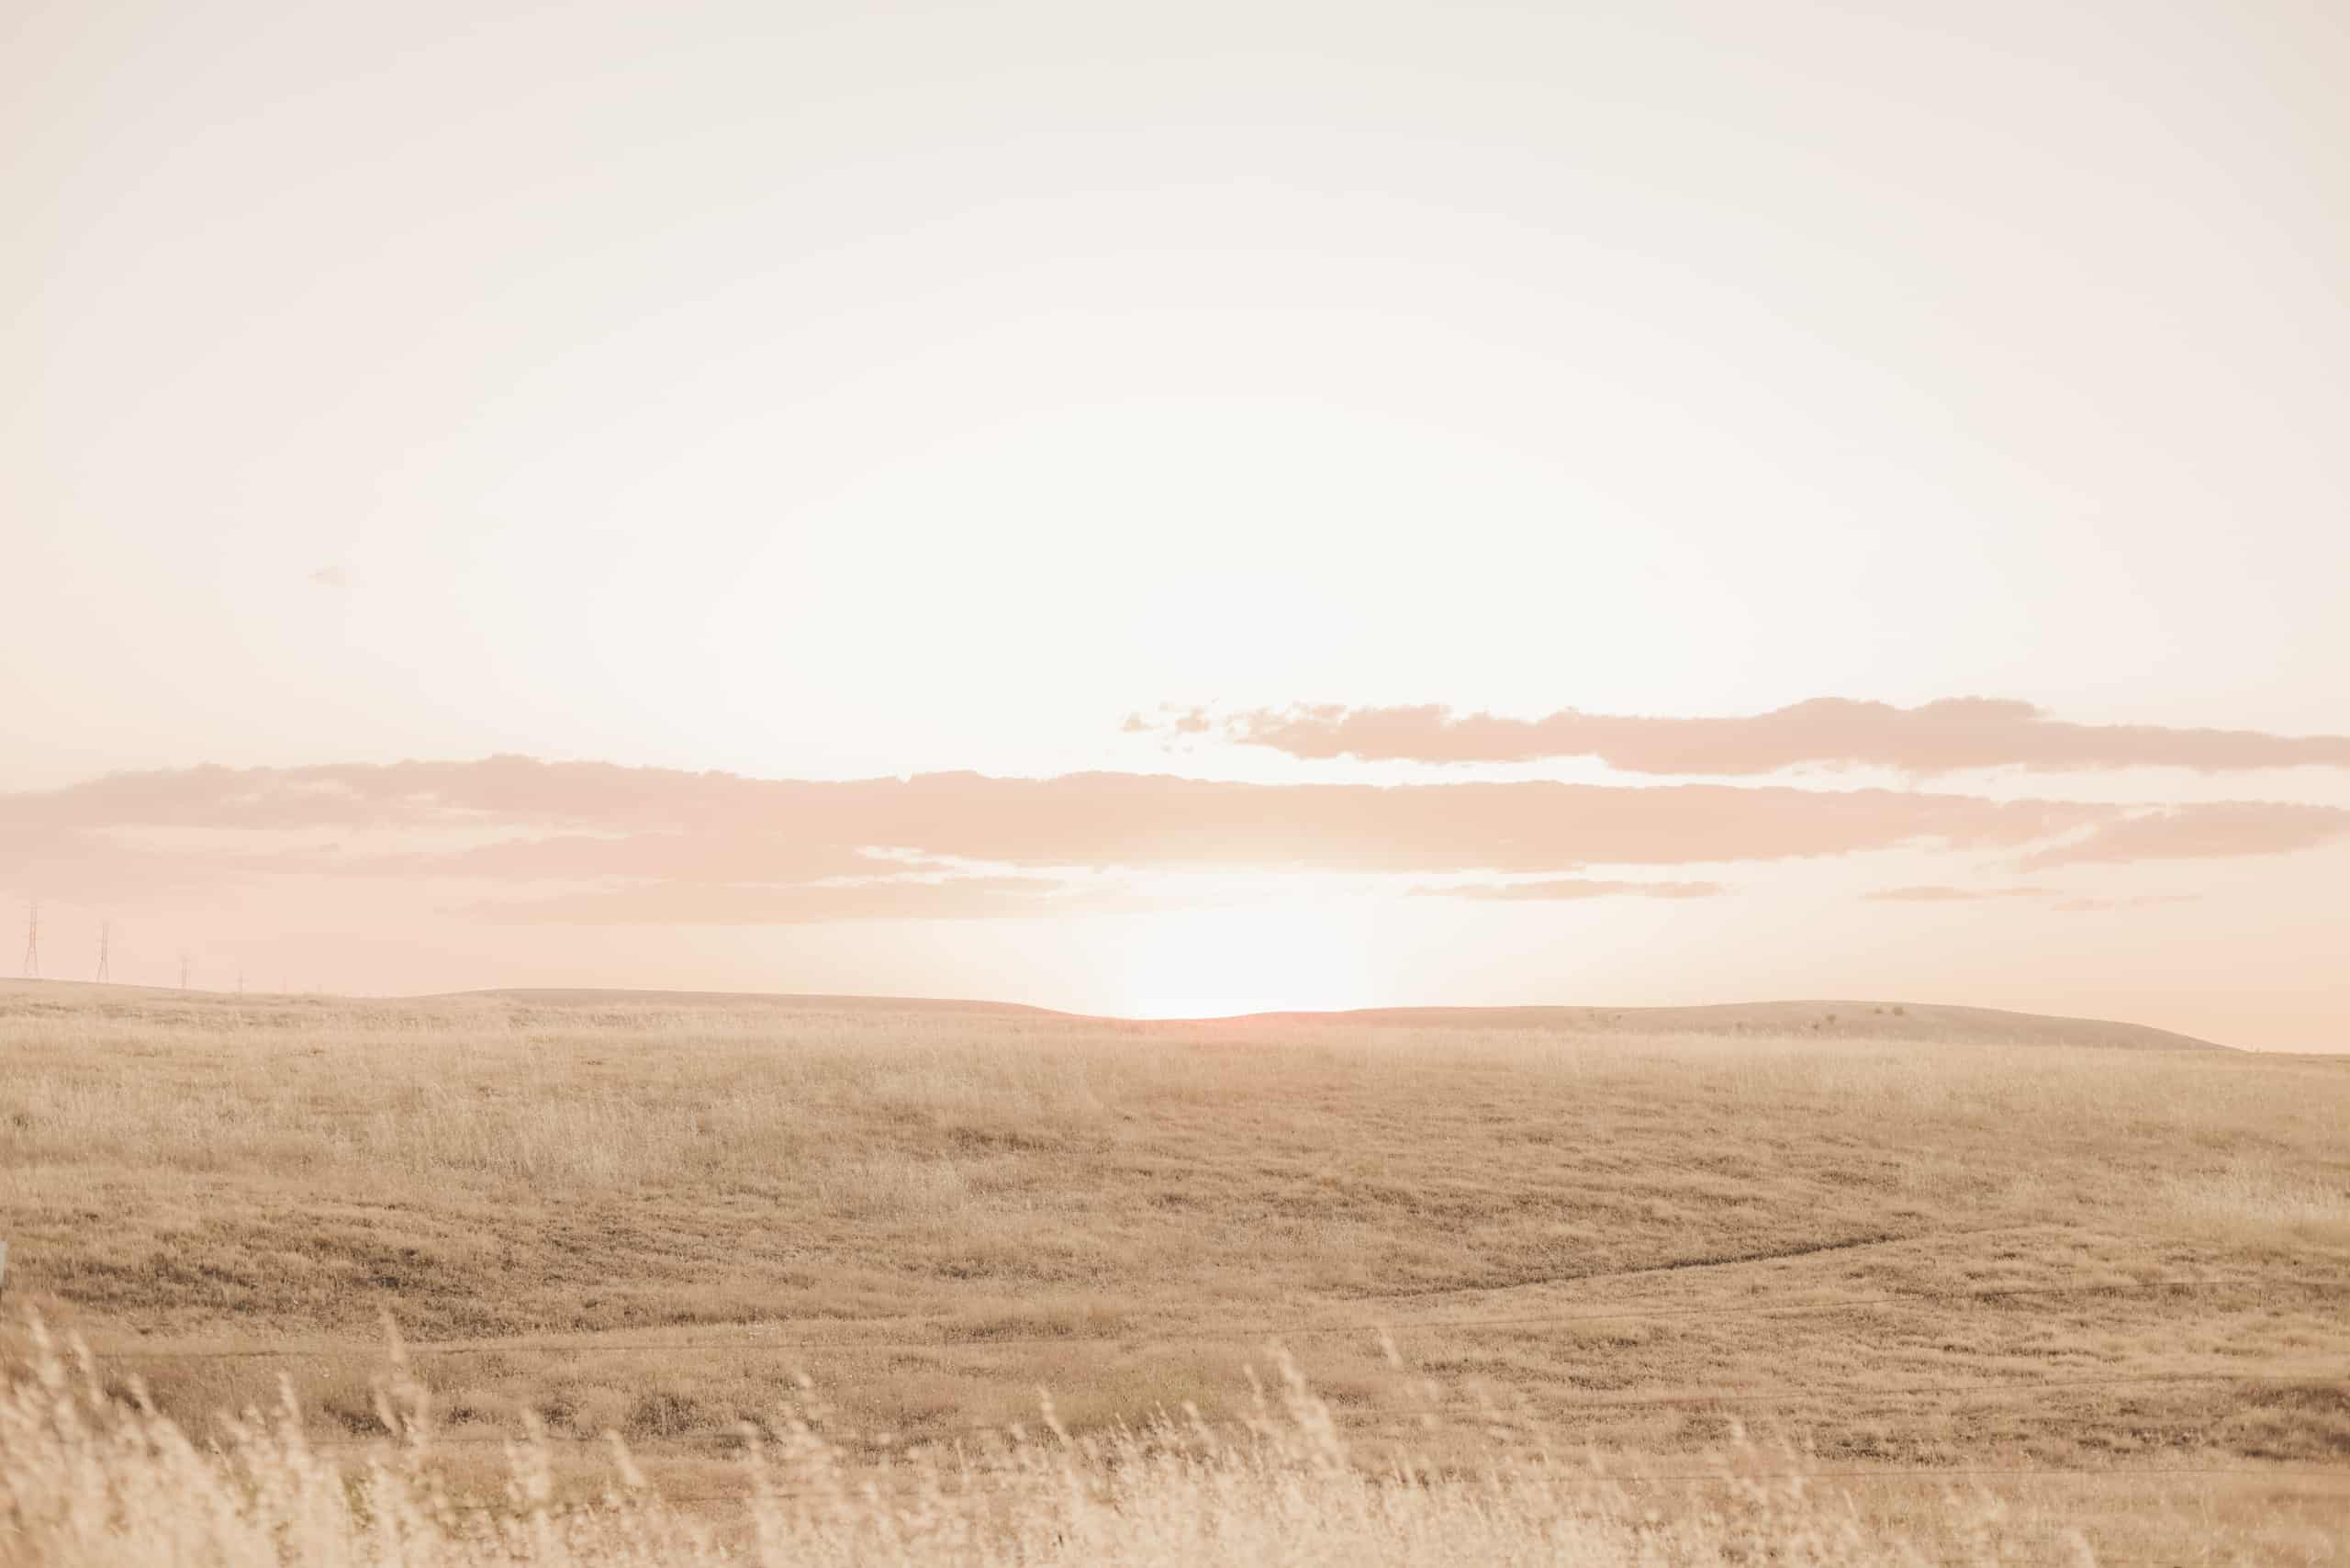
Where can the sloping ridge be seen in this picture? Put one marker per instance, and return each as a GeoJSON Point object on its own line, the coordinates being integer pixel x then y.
{"type": "Point", "coordinates": [1925, 1022]}
{"type": "Point", "coordinates": [808, 1002]}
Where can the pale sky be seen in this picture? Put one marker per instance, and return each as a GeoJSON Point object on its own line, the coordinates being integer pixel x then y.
{"type": "Point", "coordinates": [1292, 397]}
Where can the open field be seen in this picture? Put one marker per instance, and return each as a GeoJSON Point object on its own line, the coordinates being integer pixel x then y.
{"type": "Point", "coordinates": [1902, 1248]}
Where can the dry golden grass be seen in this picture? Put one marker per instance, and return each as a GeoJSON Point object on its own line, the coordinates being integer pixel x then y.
{"type": "Point", "coordinates": [92, 1483]}
{"type": "Point", "coordinates": [652, 1216]}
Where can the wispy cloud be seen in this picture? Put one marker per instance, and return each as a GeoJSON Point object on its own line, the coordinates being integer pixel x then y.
{"type": "Point", "coordinates": [685, 855]}
{"type": "Point", "coordinates": [1944, 736]}
{"type": "Point", "coordinates": [590, 842]}
{"type": "Point", "coordinates": [2204, 831]}
{"type": "Point", "coordinates": [577, 809]}
{"type": "Point", "coordinates": [1946, 894]}
{"type": "Point", "coordinates": [1563, 888]}
{"type": "Point", "coordinates": [748, 903]}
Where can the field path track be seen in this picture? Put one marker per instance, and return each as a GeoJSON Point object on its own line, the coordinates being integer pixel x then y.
{"type": "Point", "coordinates": [1680, 1265]}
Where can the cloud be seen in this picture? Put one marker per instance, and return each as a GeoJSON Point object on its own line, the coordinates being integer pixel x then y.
{"type": "Point", "coordinates": [1944, 736]}
{"type": "Point", "coordinates": [689, 855]}
{"type": "Point", "coordinates": [2142, 901]}
{"type": "Point", "coordinates": [330, 578]}
{"type": "Point", "coordinates": [744, 903]}
{"type": "Point", "coordinates": [1957, 895]}
{"type": "Point", "coordinates": [85, 865]}
{"type": "Point", "coordinates": [1572, 888]}
{"type": "Point", "coordinates": [1175, 722]}
{"type": "Point", "coordinates": [2205, 830]}
{"type": "Point", "coordinates": [594, 842]}
{"type": "Point", "coordinates": [1138, 821]}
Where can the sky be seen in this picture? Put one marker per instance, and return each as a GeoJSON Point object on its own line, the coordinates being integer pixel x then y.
{"type": "Point", "coordinates": [1178, 509]}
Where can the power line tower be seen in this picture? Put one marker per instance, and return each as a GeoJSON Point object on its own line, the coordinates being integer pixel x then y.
{"type": "Point", "coordinates": [183, 968]}
{"type": "Point", "coordinates": [106, 946]}
{"type": "Point", "coordinates": [32, 941]}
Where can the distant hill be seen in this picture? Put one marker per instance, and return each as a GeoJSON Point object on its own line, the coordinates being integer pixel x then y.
{"type": "Point", "coordinates": [1927, 1023]}
{"type": "Point", "coordinates": [580, 996]}
{"type": "Point", "coordinates": [1879, 1020]}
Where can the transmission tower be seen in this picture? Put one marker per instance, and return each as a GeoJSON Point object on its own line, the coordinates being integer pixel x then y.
{"type": "Point", "coordinates": [32, 941]}
{"type": "Point", "coordinates": [183, 968]}
{"type": "Point", "coordinates": [105, 943]}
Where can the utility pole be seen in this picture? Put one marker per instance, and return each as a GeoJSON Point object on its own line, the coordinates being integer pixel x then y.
{"type": "Point", "coordinates": [105, 942]}
{"type": "Point", "coordinates": [32, 941]}
{"type": "Point", "coordinates": [183, 968]}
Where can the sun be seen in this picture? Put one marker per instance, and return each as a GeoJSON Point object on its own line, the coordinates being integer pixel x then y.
{"type": "Point", "coordinates": [1291, 956]}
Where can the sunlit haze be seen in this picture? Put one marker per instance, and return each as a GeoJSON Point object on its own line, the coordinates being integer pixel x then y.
{"type": "Point", "coordinates": [1185, 510]}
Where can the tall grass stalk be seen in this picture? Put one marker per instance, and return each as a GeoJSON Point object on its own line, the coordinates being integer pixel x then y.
{"type": "Point", "coordinates": [86, 1481]}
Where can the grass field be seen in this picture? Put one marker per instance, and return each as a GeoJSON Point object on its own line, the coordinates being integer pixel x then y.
{"type": "Point", "coordinates": [1915, 1252]}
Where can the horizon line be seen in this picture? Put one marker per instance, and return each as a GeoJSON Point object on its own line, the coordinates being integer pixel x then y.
{"type": "Point", "coordinates": [1883, 1004]}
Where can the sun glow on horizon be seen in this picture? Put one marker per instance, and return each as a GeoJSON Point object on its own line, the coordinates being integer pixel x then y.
{"type": "Point", "coordinates": [1292, 956]}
